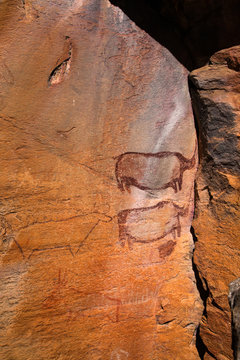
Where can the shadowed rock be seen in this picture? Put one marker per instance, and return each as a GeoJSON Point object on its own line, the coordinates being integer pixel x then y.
{"type": "Point", "coordinates": [234, 302]}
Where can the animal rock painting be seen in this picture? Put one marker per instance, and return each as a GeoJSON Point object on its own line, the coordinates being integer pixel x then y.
{"type": "Point", "coordinates": [152, 171]}
{"type": "Point", "coordinates": [149, 224]}
{"type": "Point", "coordinates": [73, 232]}
{"type": "Point", "coordinates": [82, 84]}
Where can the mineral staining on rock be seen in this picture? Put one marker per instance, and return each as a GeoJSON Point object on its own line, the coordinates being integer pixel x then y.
{"type": "Point", "coordinates": [89, 86]}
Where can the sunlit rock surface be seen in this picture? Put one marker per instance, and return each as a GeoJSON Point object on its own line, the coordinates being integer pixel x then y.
{"type": "Point", "coordinates": [216, 99]}
{"type": "Point", "coordinates": [98, 159]}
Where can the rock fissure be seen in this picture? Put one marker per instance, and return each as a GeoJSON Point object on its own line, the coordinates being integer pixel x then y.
{"type": "Point", "coordinates": [61, 70]}
{"type": "Point", "coordinates": [204, 294]}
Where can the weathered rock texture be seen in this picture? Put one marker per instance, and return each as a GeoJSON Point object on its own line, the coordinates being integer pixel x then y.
{"type": "Point", "coordinates": [98, 158]}
{"type": "Point", "coordinates": [215, 92]}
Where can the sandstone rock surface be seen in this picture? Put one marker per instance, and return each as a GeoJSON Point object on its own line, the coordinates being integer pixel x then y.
{"type": "Point", "coordinates": [216, 100]}
{"type": "Point", "coordinates": [98, 159]}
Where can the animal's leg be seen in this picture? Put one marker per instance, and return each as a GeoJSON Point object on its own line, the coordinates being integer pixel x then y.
{"type": "Point", "coordinates": [130, 240]}
{"type": "Point", "coordinates": [174, 185]}
{"type": "Point", "coordinates": [120, 184]}
{"type": "Point", "coordinates": [178, 226]}
{"type": "Point", "coordinates": [122, 235]}
{"type": "Point", "coordinates": [122, 240]}
{"type": "Point", "coordinates": [127, 187]}
{"type": "Point", "coordinates": [177, 185]}
{"type": "Point", "coordinates": [124, 184]}
{"type": "Point", "coordinates": [174, 232]}
{"type": "Point", "coordinates": [179, 231]}
{"type": "Point", "coordinates": [180, 182]}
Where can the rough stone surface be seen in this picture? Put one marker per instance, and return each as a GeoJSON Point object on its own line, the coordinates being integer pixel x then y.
{"type": "Point", "coordinates": [216, 100]}
{"type": "Point", "coordinates": [98, 158]}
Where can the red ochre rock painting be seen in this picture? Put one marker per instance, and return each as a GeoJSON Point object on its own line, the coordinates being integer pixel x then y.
{"type": "Point", "coordinates": [162, 219]}
{"type": "Point", "coordinates": [132, 169]}
{"type": "Point", "coordinates": [166, 249]}
{"type": "Point", "coordinates": [84, 224]}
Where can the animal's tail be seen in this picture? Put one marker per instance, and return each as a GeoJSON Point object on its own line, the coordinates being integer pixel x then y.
{"type": "Point", "coordinates": [189, 163]}
{"type": "Point", "coordinates": [192, 162]}
{"type": "Point", "coordinates": [182, 210]}
{"type": "Point", "coordinates": [117, 175]}
{"type": "Point", "coordinates": [119, 181]}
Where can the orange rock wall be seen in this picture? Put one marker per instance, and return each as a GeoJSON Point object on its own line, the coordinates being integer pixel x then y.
{"type": "Point", "coordinates": [98, 159]}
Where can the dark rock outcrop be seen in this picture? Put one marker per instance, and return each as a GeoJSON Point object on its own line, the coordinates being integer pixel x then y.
{"type": "Point", "coordinates": [234, 302]}
{"type": "Point", "coordinates": [216, 100]}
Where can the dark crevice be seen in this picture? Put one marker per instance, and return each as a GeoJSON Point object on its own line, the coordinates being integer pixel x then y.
{"type": "Point", "coordinates": [200, 282]}
{"type": "Point", "coordinates": [201, 347]}
{"type": "Point", "coordinates": [211, 354]}
{"type": "Point", "coordinates": [163, 323]}
{"type": "Point", "coordinates": [209, 192]}
{"type": "Point", "coordinates": [191, 88]}
{"type": "Point", "coordinates": [58, 74]}
{"type": "Point", "coordinates": [216, 305]}
{"type": "Point", "coordinates": [204, 294]}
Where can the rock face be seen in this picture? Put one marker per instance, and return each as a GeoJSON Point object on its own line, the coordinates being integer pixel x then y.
{"type": "Point", "coordinates": [98, 159]}
{"type": "Point", "coordinates": [215, 92]}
